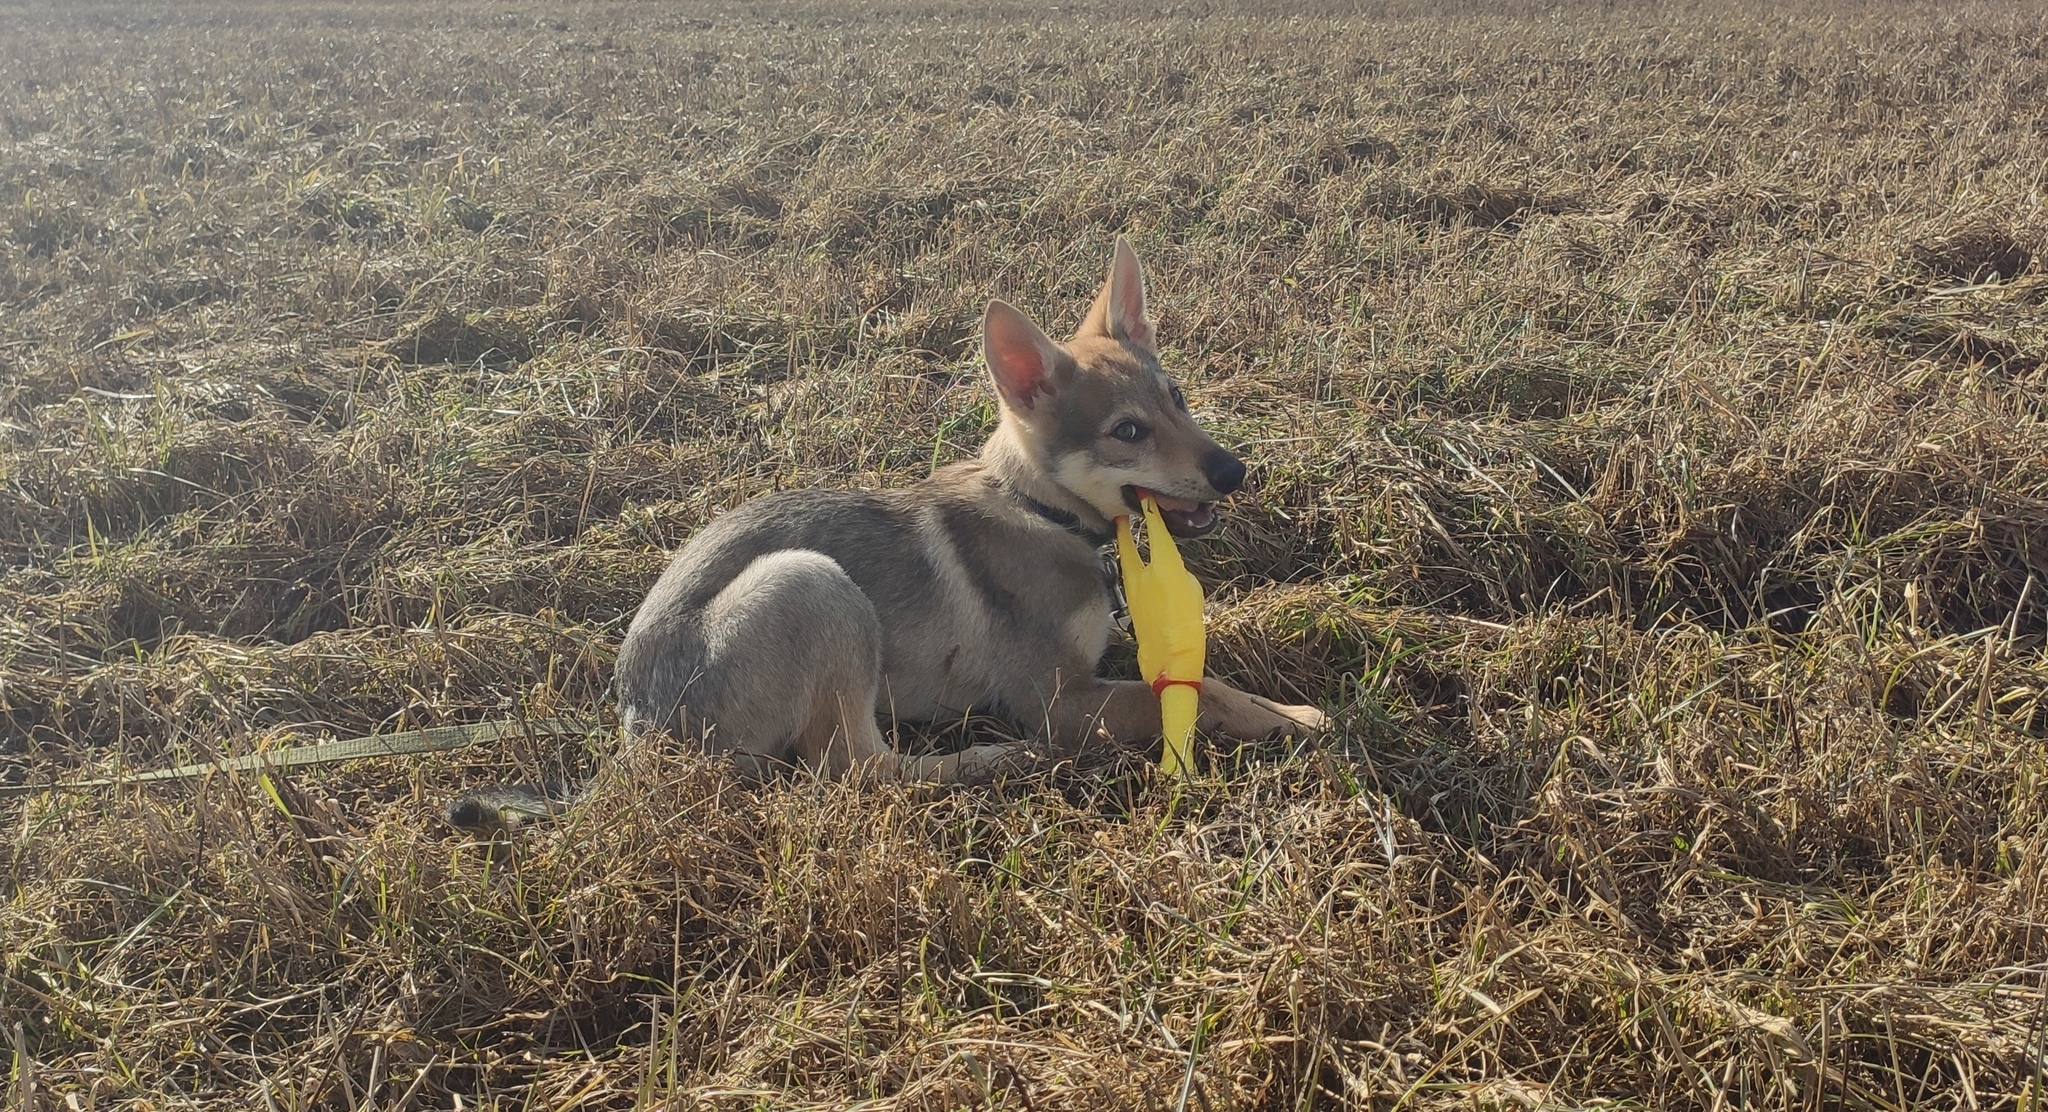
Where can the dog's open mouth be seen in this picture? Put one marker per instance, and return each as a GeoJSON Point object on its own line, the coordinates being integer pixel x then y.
{"type": "Point", "coordinates": [1183, 517]}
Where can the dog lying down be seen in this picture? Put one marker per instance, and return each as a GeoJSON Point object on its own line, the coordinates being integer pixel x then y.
{"type": "Point", "coordinates": [784, 628]}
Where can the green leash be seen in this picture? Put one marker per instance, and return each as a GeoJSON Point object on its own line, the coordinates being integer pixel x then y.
{"type": "Point", "coordinates": [437, 739]}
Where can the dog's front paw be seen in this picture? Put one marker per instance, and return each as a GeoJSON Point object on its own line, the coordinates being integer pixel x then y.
{"type": "Point", "coordinates": [1255, 718]}
{"type": "Point", "coordinates": [1301, 720]}
{"type": "Point", "coordinates": [982, 764]}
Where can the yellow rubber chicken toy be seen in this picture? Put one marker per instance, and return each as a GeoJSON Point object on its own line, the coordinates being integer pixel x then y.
{"type": "Point", "coordinates": [1166, 615]}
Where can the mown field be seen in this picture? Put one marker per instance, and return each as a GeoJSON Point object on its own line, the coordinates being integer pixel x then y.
{"type": "Point", "coordinates": [1650, 475]}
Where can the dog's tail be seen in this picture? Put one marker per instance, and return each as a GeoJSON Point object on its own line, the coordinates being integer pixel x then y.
{"type": "Point", "coordinates": [502, 807]}
{"type": "Point", "coordinates": [649, 688]}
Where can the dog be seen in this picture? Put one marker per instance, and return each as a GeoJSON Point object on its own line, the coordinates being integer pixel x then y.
{"type": "Point", "coordinates": [784, 628]}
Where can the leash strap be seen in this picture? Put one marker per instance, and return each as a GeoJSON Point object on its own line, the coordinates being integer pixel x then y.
{"type": "Point", "coordinates": [434, 739]}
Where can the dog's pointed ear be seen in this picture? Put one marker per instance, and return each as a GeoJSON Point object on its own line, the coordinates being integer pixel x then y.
{"type": "Point", "coordinates": [1119, 310]}
{"type": "Point", "coordinates": [1021, 358]}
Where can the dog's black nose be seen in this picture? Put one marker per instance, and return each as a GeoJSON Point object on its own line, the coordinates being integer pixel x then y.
{"type": "Point", "coordinates": [1225, 472]}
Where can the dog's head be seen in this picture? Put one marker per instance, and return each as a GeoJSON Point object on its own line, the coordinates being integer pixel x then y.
{"type": "Point", "coordinates": [1099, 417]}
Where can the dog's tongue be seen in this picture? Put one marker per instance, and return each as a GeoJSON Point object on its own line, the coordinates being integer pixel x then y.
{"type": "Point", "coordinates": [1183, 517]}
{"type": "Point", "coordinates": [1170, 505]}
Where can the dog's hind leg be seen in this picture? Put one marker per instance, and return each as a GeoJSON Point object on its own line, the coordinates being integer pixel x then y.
{"type": "Point", "coordinates": [792, 668]}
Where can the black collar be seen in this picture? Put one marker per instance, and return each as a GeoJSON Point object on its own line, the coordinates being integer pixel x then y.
{"type": "Point", "coordinates": [1065, 519]}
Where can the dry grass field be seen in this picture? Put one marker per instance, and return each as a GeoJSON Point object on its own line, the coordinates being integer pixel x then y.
{"type": "Point", "coordinates": [1651, 476]}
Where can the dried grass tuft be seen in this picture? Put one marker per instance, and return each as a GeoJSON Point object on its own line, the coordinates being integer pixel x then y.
{"type": "Point", "coordinates": [1647, 410]}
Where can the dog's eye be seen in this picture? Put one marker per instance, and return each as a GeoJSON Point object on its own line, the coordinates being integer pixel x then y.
{"type": "Point", "coordinates": [1180, 399]}
{"type": "Point", "coordinates": [1130, 432]}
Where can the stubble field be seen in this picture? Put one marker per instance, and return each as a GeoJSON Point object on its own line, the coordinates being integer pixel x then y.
{"type": "Point", "coordinates": [1650, 475]}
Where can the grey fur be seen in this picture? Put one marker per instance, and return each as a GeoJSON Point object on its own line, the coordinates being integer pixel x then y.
{"type": "Point", "coordinates": [783, 629]}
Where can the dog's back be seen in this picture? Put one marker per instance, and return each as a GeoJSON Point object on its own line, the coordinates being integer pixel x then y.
{"type": "Point", "coordinates": [959, 577]}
